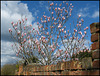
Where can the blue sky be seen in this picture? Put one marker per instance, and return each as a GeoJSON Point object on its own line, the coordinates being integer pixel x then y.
{"type": "Point", "coordinates": [12, 11]}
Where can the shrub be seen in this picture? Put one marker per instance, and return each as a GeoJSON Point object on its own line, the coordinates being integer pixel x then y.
{"type": "Point", "coordinates": [8, 69]}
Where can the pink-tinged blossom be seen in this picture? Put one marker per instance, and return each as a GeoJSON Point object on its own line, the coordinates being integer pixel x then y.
{"type": "Point", "coordinates": [82, 20]}
{"type": "Point", "coordinates": [76, 59]}
{"type": "Point", "coordinates": [59, 26]}
{"type": "Point", "coordinates": [85, 32]}
{"type": "Point", "coordinates": [23, 20]}
{"type": "Point", "coordinates": [65, 32]}
{"type": "Point", "coordinates": [24, 27]}
{"type": "Point", "coordinates": [80, 32]}
{"type": "Point", "coordinates": [24, 40]}
{"type": "Point", "coordinates": [48, 20]}
{"type": "Point", "coordinates": [43, 29]}
{"type": "Point", "coordinates": [52, 4]}
{"type": "Point", "coordinates": [66, 11]}
{"type": "Point", "coordinates": [55, 19]}
{"type": "Point", "coordinates": [52, 18]}
{"type": "Point", "coordinates": [27, 51]}
{"type": "Point", "coordinates": [19, 22]}
{"type": "Point", "coordinates": [83, 36]}
{"type": "Point", "coordinates": [65, 36]}
{"type": "Point", "coordinates": [84, 50]}
{"type": "Point", "coordinates": [55, 9]}
{"type": "Point", "coordinates": [52, 49]}
{"type": "Point", "coordinates": [16, 54]}
{"type": "Point", "coordinates": [29, 41]}
{"type": "Point", "coordinates": [10, 30]}
{"type": "Point", "coordinates": [24, 33]}
{"type": "Point", "coordinates": [45, 21]}
{"type": "Point", "coordinates": [58, 36]}
{"type": "Point", "coordinates": [26, 19]}
{"type": "Point", "coordinates": [79, 24]}
{"type": "Point", "coordinates": [79, 15]}
{"type": "Point", "coordinates": [15, 28]}
{"type": "Point", "coordinates": [52, 13]}
{"type": "Point", "coordinates": [72, 6]}
{"type": "Point", "coordinates": [86, 27]}
{"type": "Point", "coordinates": [28, 37]}
{"type": "Point", "coordinates": [66, 52]}
{"type": "Point", "coordinates": [70, 14]}
{"type": "Point", "coordinates": [18, 32]}
{"type": "Point", "coordinates": [30, 25]}
{"type": "Point", "coordinates": [12, 23]}
{"type": "Point", "coordinates": [68, 30]}
{"type": "Point", "coordinates": [37, 23]}
{"type": "Point", "coordinates": [75, 30]}
{"type": "Point", "coordinates": [47, 33]}
{"type": "Point", "coordinates": [12, 45]}
{"type": "Point", "coordinates": [33, 28]}
{"type": "Point", "coordinates": [50, 36]}
{"type": "Point", "coordinates": [63, 60]}
{"type": "Point", "coordinates": [60, 50]}
{"type": "Point", "coordinates": [63, 18]}
{"type": "Point", "coordinates": [62, 29]}
{"type": "Point", "coordinates": [58, 8]}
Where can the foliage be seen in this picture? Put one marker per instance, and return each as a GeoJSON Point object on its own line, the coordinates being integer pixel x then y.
{"type": "Point", "coordinates": [82, 54]}
{"type": "Point", "coordinates": [8, 69]}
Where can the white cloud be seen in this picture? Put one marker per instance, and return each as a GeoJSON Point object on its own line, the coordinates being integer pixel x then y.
{"type": "Point", "coordinates": [83, 12]}
{"type": "Point", "coordinates": [12, 11]}
{"type": "Point", "coordinates": [7, 54]}
{"type": "Point", "coordinates": [95, 14]}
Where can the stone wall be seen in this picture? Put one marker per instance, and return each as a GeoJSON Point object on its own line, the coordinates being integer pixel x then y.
{"type": "Point", "coordinates": [88, 66]}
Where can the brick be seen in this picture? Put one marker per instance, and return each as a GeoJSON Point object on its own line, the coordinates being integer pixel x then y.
{"type": "Point", "coordinates": [50, 67]}
{"type": "Point", "coordinates": [87, 63]}
{"type": "Point", "coordinates": [53, 68]}
{"type": "Point", "coordinates": [46, 68]}
{"type": "Point", "coordinates": [67, 65]}
{"type": "Point", "coordinates": [84, 72]}
{"type": "Point", "coordinates": [94, 27]}
{"type": "Point", "coordinates": [20, 69]}
{"type": "Point", "coordinates": [42, 68]}
{"type": "Point", "coordinates": [95, 45]}
{"type": "Point", "coordinates": [95, 54]}
{"type": "Point", "coordinates": [95, 37]}
{"type": "Point", "coordinates": [94, 72]}
{"type": "Point", "coordinates": [95, 63]}
{"type": "Point", "coordinates": [75, 72]}
{"type": "Point", "coordinates": [60, 66]}
{"type": "Point", "coordinates": [75, 65]}
{"type": "Point", "coordinates": [65, 72]}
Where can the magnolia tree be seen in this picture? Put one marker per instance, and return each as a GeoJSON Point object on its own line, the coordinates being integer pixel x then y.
{"type": "Point", "coordinates": [52, 41]}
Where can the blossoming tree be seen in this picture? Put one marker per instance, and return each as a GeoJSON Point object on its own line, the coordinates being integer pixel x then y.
{"type": "Point", "coordinates": [52, 41]}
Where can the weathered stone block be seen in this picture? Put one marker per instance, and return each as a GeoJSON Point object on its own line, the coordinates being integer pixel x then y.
{"type": "Point", "coordinates": [87, 63]}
